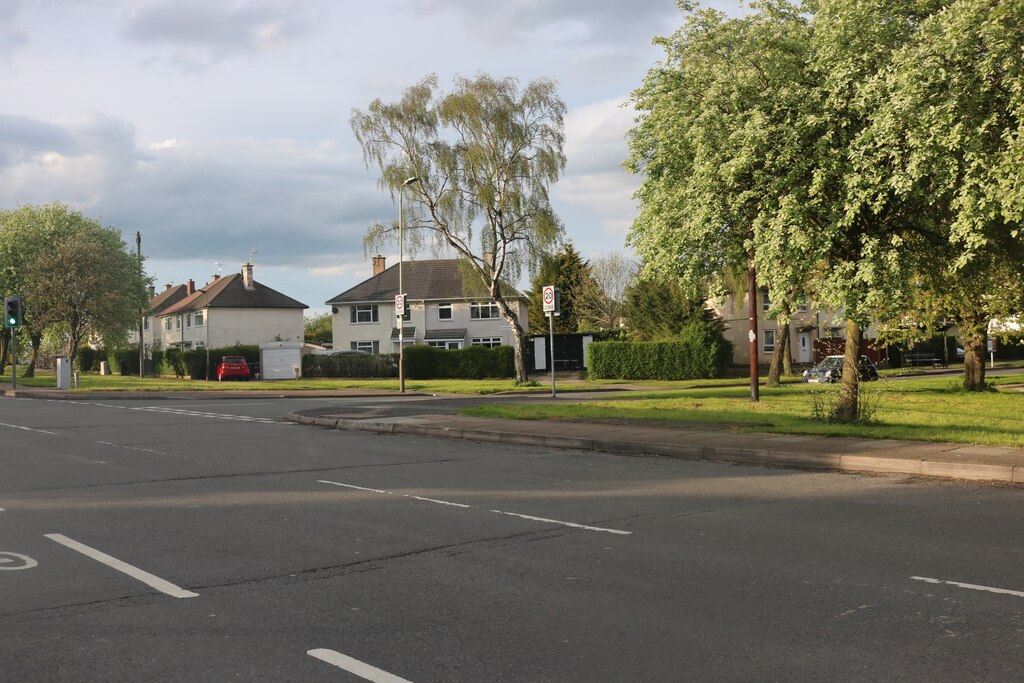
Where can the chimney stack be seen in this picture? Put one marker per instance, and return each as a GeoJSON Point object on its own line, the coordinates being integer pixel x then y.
{"type": "Point", "coordinates": [167, 285]}
{"type": "Point", "coordinates": [191, 287]}
{"type": "Point", "coordinates": [378, 264]}
{"type": "Point", "coordinates": [152, 291]}
{"type": "Point", "coordinates": [214, 278]}
{"type": "Point", "coordinates": [247, 276]}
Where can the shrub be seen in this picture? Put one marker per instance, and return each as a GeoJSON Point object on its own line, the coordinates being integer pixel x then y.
{"type": "Point", "coordinates": [350, 365]}
{"type": "Point", "coordinates": [89, 358]}
{"type": "Point", "coordinates": [701, 352]}
{"type": "Point", "coordinates": [473, 362]}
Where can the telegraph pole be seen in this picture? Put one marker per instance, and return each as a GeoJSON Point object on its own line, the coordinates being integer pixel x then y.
{"type": "Point", "coordinates": [142, 341]}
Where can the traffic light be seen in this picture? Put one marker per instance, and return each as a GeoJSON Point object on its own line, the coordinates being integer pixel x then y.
{"type": "Point", "coordinates": [12, 312]}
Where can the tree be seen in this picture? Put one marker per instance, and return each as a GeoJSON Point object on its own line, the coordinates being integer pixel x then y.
{"type": "Point", "coordinates": [317, 328]}
{"type": "Point", "coordinates": [660, 308]}
{"type": "Point", "coordinates": [84, 281]}
{"type": "Point", "coordinates": [948, 126]}
{"type": "Point", "coordinates": [602, 300]}
{"type": "Point", "coordinates": [566, 270]}
{"type": "Point", "coordinates": [484, 156]}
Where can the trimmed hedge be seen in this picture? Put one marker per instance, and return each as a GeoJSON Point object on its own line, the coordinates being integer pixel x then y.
{"type": "Point", "coordinates": [350, 365]}
{"type": "Point", "coordinates": [472, 362]}
{"type": "Point", "coordinates": [701, 352]}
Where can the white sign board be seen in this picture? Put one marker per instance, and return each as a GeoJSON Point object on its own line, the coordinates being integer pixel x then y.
{"type": "Point", "coordinates": [548, 295]}
{"type": "Point", "coordinates": [399, 305]}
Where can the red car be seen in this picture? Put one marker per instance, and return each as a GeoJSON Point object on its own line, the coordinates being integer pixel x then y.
{"type": "Point", "coordinates": [233, 367]}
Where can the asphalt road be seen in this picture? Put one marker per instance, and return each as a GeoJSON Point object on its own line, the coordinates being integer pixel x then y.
{"type": "Point", "coordinates": [208, 540]}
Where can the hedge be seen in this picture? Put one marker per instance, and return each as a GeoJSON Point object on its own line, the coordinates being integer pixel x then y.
{"type": "Point", "coordinates": [350, 365]}
{"type": "Point", "coordinates": [473, 362]}
{"type": "Point", "coordinates": [701, 352]}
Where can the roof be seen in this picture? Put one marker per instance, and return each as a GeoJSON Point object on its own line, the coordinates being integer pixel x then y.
{"type": "Point", "coordinates": [229, 292]}
{"type": "Point", "coordinates": [445, 334]}
{"type": "Point", "coordinates": [430, 280]}
{"type": "Point", "coordinates": [166, 299]}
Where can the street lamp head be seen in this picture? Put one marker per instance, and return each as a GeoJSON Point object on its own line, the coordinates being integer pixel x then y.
{"type": "Point", "coordinates": [410, 181]}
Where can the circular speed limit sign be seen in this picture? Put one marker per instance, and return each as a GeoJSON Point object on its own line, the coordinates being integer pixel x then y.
{"type": "Point", "coordinates": [548, 295]}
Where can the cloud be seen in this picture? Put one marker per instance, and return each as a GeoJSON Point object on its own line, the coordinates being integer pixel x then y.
{"type": "Point", "coordinates": [12, 36]}
{"type": "Point", "coordinates": [200, 33]}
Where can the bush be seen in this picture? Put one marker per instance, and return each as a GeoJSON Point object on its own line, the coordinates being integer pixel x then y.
{"type": "Point", "coordinates": [473, 362]}
{"type": "Point", "coordinates": [350, 365]}
{"type": "Point", "coordinates": [701, 352]}
{"type": "Point", "coordinates": [89, 358]}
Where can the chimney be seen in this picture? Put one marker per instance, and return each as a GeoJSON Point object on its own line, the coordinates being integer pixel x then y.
{"type": "Point", "coordinates": [247, 276]}
{"type": "Point", "coordinates": [378, 264]}
{"type": "Point", "coordinates": [191, 287]}
{"type": "Point", "coordinates": [167, 285]}
{"type": "Point", "coordinates": [152, 291]}
{"type": "Point", "coordinates": [214, 278]}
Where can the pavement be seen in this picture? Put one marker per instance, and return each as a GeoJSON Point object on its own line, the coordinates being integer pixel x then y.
{"type": "Point", "coordinates": [622, 437]}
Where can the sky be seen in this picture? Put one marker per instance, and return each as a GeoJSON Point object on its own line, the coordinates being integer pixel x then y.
{"type": "Point", "coordinates": [219, 129]}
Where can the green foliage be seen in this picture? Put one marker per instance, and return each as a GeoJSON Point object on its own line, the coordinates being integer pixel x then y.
{"type": "Point", "coordinates": [700, 352]}
{"type": "Point", "coordinates": [571, 274]}
{"type": "Point", "coordinates": [472, 362]}
{"type": "Point", "coordinates": [317, 328]}
{"type": "Point", "coordinates": [484, 156]}
{"type": "Point", "coordinates": [660, 309]}
{"type": "Point", "coordinates": [350, 365]}
{"type": "Point", "coordinates": [89, 358]}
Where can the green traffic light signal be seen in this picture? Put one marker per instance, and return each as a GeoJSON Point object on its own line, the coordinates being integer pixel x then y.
{"type": "Point", "coordinates": [12, 312]}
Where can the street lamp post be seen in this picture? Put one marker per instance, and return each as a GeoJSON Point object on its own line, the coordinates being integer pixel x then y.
{"type": "Point", "coordinates": [401, 292]}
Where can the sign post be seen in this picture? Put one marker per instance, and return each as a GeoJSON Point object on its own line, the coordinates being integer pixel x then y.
{"type": "Point", "coordinates": [552, 304]}
{"type": "Point", "coordinates": [400, 321]}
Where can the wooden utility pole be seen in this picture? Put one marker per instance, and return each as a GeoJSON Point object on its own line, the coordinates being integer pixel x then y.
{"type": "Point", "coordinates": [142, 341]}
{"type": "Point", "coordinates": [752, 334]}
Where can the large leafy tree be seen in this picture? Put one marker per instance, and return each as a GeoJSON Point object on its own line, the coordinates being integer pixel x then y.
{"type": "Point", "coordinates": [570, 272]}
{"type": "Point", "coordinates": [484, 154]}
{"type": "Point", "coordinates": [76, 277]}
{"type": "Point", "coordinates": [659, 308]}
{"type": "Point", "coordinates": [603, 297]}
{"type": "Point", "coordinates": [317, 328]}
{"type": "Point", "coordinates": [949, 126]}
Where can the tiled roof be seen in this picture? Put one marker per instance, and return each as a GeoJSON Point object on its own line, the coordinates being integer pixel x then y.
{"type": "Point", "coordinates": [431, 280]}
{"type": "Point", "coordinates": [166, 299]}
{"type": "Point", "coordinates": [445, 334]}
{"type": "Point", "coordinates": [407, 333]}
{"type": "Point", "coordinates": [229, 292]}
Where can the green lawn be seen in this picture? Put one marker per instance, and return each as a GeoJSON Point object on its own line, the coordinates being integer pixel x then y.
{"type": "Point", "coordinates": [932, 409]}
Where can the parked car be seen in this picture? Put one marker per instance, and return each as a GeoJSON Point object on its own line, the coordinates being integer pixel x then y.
{"type": "Point", "coordinates": [233, 367]}
{"type": "Point", "coordinates": [830, 370]}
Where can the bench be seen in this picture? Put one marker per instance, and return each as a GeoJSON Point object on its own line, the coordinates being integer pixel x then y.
{"type": "Point", "coordinates": [922, 359]}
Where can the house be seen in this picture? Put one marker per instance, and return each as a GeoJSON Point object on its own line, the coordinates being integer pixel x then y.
{"type": "Point", "coordinates": [228, 310]}
{"type": "Point", "coordinates": [446, 308]}
{"type": "Point", "coordinates": [814, 333]}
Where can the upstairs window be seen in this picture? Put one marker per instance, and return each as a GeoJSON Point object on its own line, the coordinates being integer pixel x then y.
{"type": "Point", "coordinates": [766, 300]}
{"type": "Point", "coordinates": [484, 311]}
{"type": "Point", "coordinates": [363, 314]}
{"type": "Point", "coordinates": [199, 320]}
{"type": "Point", "coordinates": [167, 324]}
{"type": "Point", "coordinates": [444, 311]}
{"type": "Point", "coordinates": [188, 320]}
{"type": "Point", "coordinates": [145, 323]}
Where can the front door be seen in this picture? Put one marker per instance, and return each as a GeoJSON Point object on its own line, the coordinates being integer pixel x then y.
{"type": "Point", "coordinates": [805, 347]}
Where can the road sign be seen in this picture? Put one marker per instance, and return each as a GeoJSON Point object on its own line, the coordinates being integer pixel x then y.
{"type": "Point", "coordinates": [400, 305]}
{"type": "Point", "coordinates": [551, 299]}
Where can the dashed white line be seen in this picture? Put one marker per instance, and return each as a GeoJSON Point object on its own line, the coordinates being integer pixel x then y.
{"type": "Point", "coordinates": [28, 429]}
{"type": "Point", "coordinates": [573, 525]}
{"type": "Point", "coordinates": [354, 666]}
{"type": "Point", "coordinates": [216, 416]}
{"type": "Point", "coordinates": [138, 574]}
{"type": "Point", "coordinates": [971, 586]}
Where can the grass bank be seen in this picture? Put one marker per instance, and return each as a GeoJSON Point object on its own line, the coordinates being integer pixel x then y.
{"type": "Point", "coordinates": [933, 409]}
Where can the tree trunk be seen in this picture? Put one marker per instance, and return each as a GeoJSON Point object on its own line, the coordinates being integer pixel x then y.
{"type": "Point", "coordinates": [975, 336]}
{"type": "Point", "coordinates": [5, 347]}
{"type": "Point", "coordinates": [35, 340]}
{"type": "Point", "coordinates": [787, 357]}
{"type": "Point", "coordinates": [779, 355]}
{"type": "Point", "coordinates": [517, 336]}
{"type": "Point", "coordinates": [848, 406]}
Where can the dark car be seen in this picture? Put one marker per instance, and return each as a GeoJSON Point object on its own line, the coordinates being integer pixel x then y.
{"type": "Point", "coordinates": [830, 370]}
{"type": "Point", "coordinates": [233, 367]}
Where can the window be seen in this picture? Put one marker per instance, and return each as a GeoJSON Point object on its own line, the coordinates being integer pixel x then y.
{"type": "Point", "coordinates": [367, 346]}
{"type": "Point", "coordinates": [444, 311]}
{"type": "Point", "coordinates": [447, 345]}
{"type": "Point", "coordinates": [488, 311]}
{"type": "Point", "coordinates": [363, 314]}
{"type": "Point", "coordinates": [199, 319]}
{"type": "Point", "coordinates": [489, 342]}
{"type": "Point", "coordinates": [145, 323]}
{"type": "Point", "coordinates": [188, 320]}
{"type": "Point", "coordinates": [177, 322]}
{"type": "Point", "coordinates": [801, 303]}
{"type": "Point", "coordinates": [200, 344]}
{"type": "Point", "coordinates": [766, 301]}
{"type": "Point", "coordinates": [167, 324]}
{"type": "Point", "coordinates": [769, 340]}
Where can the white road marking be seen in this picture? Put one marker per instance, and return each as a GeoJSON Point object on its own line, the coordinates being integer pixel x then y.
{"type": "Point", "coordinates": [972, 586]}
{"type": "Point", "coordinates": [354, 666]}
{"type": "Point", "coordinates": [574, 525]}
{"type": "Point", "coordinates": [28, 429]}
{"type": "Point", "coordinates": [216, 416]}
{"type": "Point", "coordinates": [351, 486]}
{"type": "Point", "coordinates": [569, 524]}
{"type": "Point", "coordinates": [145, 577]}
{"type": "Point", "coordinates": [19, 561]}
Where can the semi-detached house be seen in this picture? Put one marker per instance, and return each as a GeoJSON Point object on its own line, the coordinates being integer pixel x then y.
{"type": "Point", "coordinates": [445, 309]}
